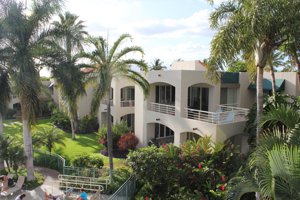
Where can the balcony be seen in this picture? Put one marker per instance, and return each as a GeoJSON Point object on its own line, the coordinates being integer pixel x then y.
{"type": "Point", "coordinates": [162, 108]}
{"type": "Point", "coordinates": [224, 115]}
{"type": "Point", "coordinates": [127, 103]}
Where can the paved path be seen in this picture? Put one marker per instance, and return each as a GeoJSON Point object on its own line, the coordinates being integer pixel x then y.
{"type": "Point", "coordinates": [50, 186]}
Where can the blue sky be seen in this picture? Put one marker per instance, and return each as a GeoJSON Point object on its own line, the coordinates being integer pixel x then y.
{"type": "Point", "coordinates": [165, 29]}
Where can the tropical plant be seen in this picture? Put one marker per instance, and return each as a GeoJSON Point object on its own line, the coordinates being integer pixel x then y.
{"type": "Point", "coordinates": [128, 141]}
{"type": "Point", "coordinates": [253, 28]}
{"type": "Point", "coordinates": [65, 67]}
{"type": "Point", "coordinates": [109, 63]}
{"type": "Point", "coordinates": [48, 137]}
{"type": "Point", "coordinates": [157, 64]}
{"type": "Point", "coordinates": [24, 37]}
{"type": "Point", "coordinates": [87, 161]}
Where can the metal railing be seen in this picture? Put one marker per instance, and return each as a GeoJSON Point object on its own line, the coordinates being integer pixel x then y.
{"type": "Point", "coordinates": [126, 191]}
{"type": "Point", "coordinates": [162, 108]}
{"type": "Point", "coordinates": [127, 103]}
{"type": "Point", "coordinates": [88, 183]}
{"type": "Point", "coordinates": [49, 160]}
{"type": "Point", "coordinates": [88, 172]}
{"type": "Point", "coordinates": [224, 115]}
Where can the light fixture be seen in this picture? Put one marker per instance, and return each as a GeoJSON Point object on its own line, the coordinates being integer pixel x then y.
{"type": "Point", "coordinates": [157, 119]}
{"type": "Point", "coordinates": [195, 129]}
{"type": "Point", "coordinates": [159, 75]}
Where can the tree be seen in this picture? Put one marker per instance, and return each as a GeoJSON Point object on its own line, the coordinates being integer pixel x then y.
{"type": "Point", "coordinates": [48, 137]}
{"type": "Point", "coordinates": [157, 64]}
{"type": "Point", "coordinates": [255, 28]}
{"type": "Point", "coordinates": [23, 36]}
{"type": "Point", "coordinates": [68, 36]}
{"type": "Point", "coordinates": [108, 64]}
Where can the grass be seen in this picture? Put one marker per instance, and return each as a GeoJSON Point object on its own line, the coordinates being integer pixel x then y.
{"type": "Point", "coordinates": [84, 143]}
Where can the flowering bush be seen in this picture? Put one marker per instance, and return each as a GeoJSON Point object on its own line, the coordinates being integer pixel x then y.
{"type": "Point", "coordinates": [128, 141]}
{"type": "Point", "coordinates": [198, 169]}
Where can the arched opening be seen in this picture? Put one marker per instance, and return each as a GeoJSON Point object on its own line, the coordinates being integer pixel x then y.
{"type": "Point", "coordinates": [127, 96]}
{"type": "Point", "coordinates": [159, 134]}
{"type": "Point", "coordinates": [129, 119]}
{"type": "Point", "coordinates": [186, 136]}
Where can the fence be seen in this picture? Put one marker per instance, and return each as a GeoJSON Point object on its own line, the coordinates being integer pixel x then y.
{"type": "Point", "coordinates": [126, 191]}
{"type": "Point", "coordinates": [49, 160]}
{"type": "Point", "coordinates": [88, 172]}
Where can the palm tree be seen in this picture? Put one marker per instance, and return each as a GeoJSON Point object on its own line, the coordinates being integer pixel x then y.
{"type": "Point", "coordinates": [108, 64]}
{"type": "Point", "coordinates": [49, 137]}
{"type": "Point", "coordinates": [157, 64]}
{"type": "Point", "coordinates": [5, 97]}
{"type": "Point", "coordinates": [24, 38]}
{"type": "Point", "coordinates": [68, 36]}
{"type": "Point", "coordinates": [250, 27]}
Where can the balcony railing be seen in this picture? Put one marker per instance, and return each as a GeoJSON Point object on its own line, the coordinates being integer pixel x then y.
{"type": "Point", "coordinates": [105, 102]}
{"type": "Point", "coordinates": [224, 115]}
{"type": "Point", "coordinates": [127, 103]}
{"type": "Point", "coordinates": [162, 108]}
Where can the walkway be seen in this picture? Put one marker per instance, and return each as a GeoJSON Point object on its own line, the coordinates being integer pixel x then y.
{"type": "Point", "coordinates": [50, 186]}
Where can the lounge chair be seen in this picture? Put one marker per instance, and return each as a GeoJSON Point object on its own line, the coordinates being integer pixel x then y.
{"type": "Point", "coordinates": [16, 188]}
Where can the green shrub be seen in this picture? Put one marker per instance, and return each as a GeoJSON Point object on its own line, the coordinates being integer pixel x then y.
{"type": "Point", "coordinates": [87, 161]}
{"type": "Point", "coordinates": [10, 114]}
{"type": "Point", "coordinates": [60, 120]}
{"type": "Point", "coordinates": [88, 124]}
{"type": "Point", "coordinates": [119, 177]}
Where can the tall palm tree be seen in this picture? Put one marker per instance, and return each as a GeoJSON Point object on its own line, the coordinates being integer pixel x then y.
{"type": "Point", "coordinates": [157, 64]}
{"type": "Point", "coordinates": [68, 36]}
{"type": "Point", "coordinates": [254, 27]}
{"type": "Point", "coordinates": [24, 38]}
{"type": "Point", "coordinates": [5, 97]}
{"type": "Point", "coordinates": [108, 64]}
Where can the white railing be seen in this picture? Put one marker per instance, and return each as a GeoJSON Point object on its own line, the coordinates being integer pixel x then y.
{"type": "Point", "coordinates": [127, 103]}
{"type": "Point", "coordinates": [88, 183]}
{"type": "Point", "coordinates": [240, 113]}
{"type": "Point", "coordinates": [224, 115]}
{"type": "Point", "coordinates": [105, 102]}
{"type": "Point", "coordinates": [162, 108]}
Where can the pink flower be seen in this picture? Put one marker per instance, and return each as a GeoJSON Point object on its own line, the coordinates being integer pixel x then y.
{"type": "Point", "coordinates": [223, 179]}
{"type": "Point", "coordinates": [200, 166]}
{"type": "Point", "coordinates": [223, 187]}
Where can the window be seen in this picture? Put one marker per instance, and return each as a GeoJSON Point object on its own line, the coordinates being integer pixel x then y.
{"type": "Point", "coordinates": [228, 96]}
{"type": "Point", "coordinates": [127, 93]}
{"type": "Point", "coordinates": [165, 94]}
{"type": "Point", "coordinates": [162, 131]}
{"type": "Point", "coordinates": [198, 98]}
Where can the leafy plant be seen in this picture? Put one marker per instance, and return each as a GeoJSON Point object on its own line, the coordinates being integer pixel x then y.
{"type": "Point", "coordinates": [128, 142]}
{"type": "Point", "coordinates": [87, 161]}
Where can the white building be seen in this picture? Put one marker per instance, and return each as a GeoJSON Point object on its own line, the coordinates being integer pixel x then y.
{"type": "Point", "coordinates": [183, 104]}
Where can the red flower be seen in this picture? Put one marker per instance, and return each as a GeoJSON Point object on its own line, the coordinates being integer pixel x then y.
{"type": "Point", "coordinates": [214, 181]}
{"type": "Point", "coordinates": [146, 198]}
{"type": "Point", "coordinates": [200, 166]}
{"type": "Point", "coordinates": [223, 179]}
{"type": "Point", "coordinates": [223, 187]}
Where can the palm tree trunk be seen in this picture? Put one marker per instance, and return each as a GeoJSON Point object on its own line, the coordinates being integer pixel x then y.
{"type": "Point", "coordinates": [76, 123]}
{"type": "Point", "coordinates": [72, 129]}
{"type": "Point", "coordinates": [28, 148]}
{"type": "Point", "coordinates": [298, 66]}
{"type": "Point", "coordinates": [109, 136]}
{"type": "Point", "coordinates": [259, 100]}
{"type": "Point", "coordinates": [273, 79]}
{"type": "Point", "coordinates": [1, 134]}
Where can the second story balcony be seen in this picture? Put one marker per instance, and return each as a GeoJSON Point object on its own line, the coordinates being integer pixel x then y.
{"type": "Point", "coordinates": [162, 108]}
{"type": "Point", "coordinates": [224, 115]}
{"type": "Point", "coordinates": [127, 95]}
{"type": "Point", "coordinates": [127, 103]}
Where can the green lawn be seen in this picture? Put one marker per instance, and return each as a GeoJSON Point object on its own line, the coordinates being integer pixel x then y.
{"type": "Point", "coordinates": [84, 143]}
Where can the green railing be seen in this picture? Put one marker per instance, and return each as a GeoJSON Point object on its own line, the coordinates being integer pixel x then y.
{"type": "Point", "coordinates": [49, 160]}
{"type": "Point", "coordinates": [126, 191]}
